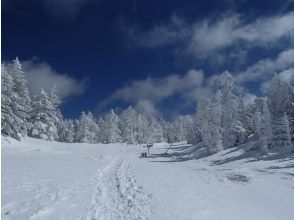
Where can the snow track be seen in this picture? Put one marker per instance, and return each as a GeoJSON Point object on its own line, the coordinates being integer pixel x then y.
{"type": "Point", "coordinates": [116, 194]}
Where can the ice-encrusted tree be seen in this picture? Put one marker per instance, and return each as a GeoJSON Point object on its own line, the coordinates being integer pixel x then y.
{"type": "Point", "coordinates": [8, 125]}
{"type": "Point", "coordinates": [67, 131]}
{"type": "Point", "coordinates": [208, 118]}
{"type": "Point", "coordinates": [232, 127]}
{"type": "Point", "coordinates": [169, 132]}
{"type": "Point", "coordinates": [111, 129]}
{"type": "Point", "coordinates": [263, 131]}
{"type": "Point", "coordinates": [278, 100]}
{"type": "Point", "coordinates": [154, 132]}
{"type": "Point", "coordinates": [21, 102]}
{"type": "Point", "coordinates": [42, 117]}
{"type": "Point", "coordinates": [58, 118]}
{"type": "Point", "coordinates": [87, 129]}
{"type": "Point", "coordinates": [129, 125]}
{"type": "Point", "coordinates": [142, 129]}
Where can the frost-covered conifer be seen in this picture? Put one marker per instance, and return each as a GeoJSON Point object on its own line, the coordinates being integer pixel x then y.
{"type": "Point", "coordinates": [232, 127]}
{"type": "Point", "coordinates": [129, 126]}
{"type": "Point", "coordinates": [8, 125]}
{"type": "Point", "coordinates": [279, 99]}
{"type": "Point", "coordinates": [208, 118]}
{"type": "Point", "coordinates": [21, 102]}
{"type": "Point", "coordinates": [111, 130]}
{"type": "Point", "coordinates": [87, 129]}
{"type": "Point", "coordinates": [42, 117]}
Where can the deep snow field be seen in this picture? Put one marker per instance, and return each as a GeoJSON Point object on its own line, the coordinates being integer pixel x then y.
{"type": "Point", "coordinates": [51, 180]}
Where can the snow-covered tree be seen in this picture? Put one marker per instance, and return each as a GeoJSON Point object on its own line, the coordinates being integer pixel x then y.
{"type": "Point", "coordinates": [57, 118]}
{"type": "Point", "coordinates": [142, 129]}
{"type": "Point", "coordinates": [67, 131]}
{"type": "Point", "coordinates": [129, 126]}
{"type": "Point", "coordinates": [279, 99]}
{"type": "Point", "coordinates": [233, 130]}
{"type": "Point", "coordinates": [154, 133]}
{"type": "Point", "coordinates": [8, 125]}
{"type": "Point", "coordinates": [21, 102]}
{"type": "Point", "coordinates": [87, 129]}
{"type": "Point", "coordinates": [111, 129]}
{"type": "Point", "coordinates": [263, 131]}
{"type": "Point", "coordinates": [208, 118]}
{"type": "Point", "coordinates": [42, 117]}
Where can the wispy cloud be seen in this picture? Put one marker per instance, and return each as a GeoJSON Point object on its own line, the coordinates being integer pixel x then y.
{"type": "Point", "coordinates": [265, 69]}
{"type": "Point", "coordinates": [210, 36]}
{"type": "Point", "coordinates": [146, 93]}
{"type": "Point", "coordinates": [42, 75]}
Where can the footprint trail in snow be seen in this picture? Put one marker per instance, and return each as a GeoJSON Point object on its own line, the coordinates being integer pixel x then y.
{"type": "Point", "coordinates": [117, 195]}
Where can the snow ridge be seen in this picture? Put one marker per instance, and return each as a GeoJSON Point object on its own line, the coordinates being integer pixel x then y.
{"type": "Point", "coordinates": [116, 194]}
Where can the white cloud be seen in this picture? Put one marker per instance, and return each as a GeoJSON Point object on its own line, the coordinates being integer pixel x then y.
{"type": "Point", "coordinates": [287, 75]}
{"type": "Point", "coordinates": [64, 8]}
{"type": "Point", "coordinates": [266, 68]}
{"type": "Point", "coordinates": [42, 75]}
{"type": "Point", "coordinates": [209, 37]}
{"type": "Point", "coordinates": [146, 93]}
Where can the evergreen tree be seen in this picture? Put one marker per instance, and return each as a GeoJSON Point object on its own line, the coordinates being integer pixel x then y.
{"type": "Point", "coordinates": [129, 125]}
{"type": "Point", "coordinates": [8, 125]}
{"type": "Point", "coordinates": [208, 117]}
{"type": "Point", "coordinates": [21, 102]}
{"type": "Point", "coordinates": [67, 131]}
{"type": "Point", "coordinates": [112, 131]}
{"type": "Point", "coordinates": [57, 118]}
{"type": "Point", "coordinates": [233, 130]}
{"type": "Point", "coordinates": [42, 117]}
{"type": "Point", "coordinates": [279, 99]}
{"type": "Point", "coordinates": [87, 129]}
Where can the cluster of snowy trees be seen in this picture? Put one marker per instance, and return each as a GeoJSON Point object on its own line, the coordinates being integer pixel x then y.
{"type": "Point", "coordinates": [226, 121]}
{"type": "Point", "coordinates": [220, 122]}
{"type": "Point", "coordinates": [39, 116]}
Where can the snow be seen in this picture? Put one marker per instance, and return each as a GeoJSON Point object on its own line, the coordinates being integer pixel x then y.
{"type": "Point", "coordinates": [52, 180]}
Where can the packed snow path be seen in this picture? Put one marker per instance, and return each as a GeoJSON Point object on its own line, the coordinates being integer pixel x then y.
{"type": "Point", "coordinates": [51, 180]}
{"type": "Point", "coordinates": [117, 195]}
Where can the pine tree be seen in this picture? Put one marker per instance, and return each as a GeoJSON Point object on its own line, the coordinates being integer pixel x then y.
{"type": "Point", "coordinates": [129, 125]}
{"type": "Point", "coordinates": [278, 100]}
{"type": "Point", "coordinates": [87, 129]}
{"type": "Point", "coordinates": [57, 118]}
{"type": "Point", "coordinates": [232, 127]}
{"type": "Point", "coordinates": [21, 102]}
{"type": "Point", "coordinates": [67, 131]}
{"type": "Point", "coordinates": [8, 125]}
{"type": "Point", "coordinates": [112, 131]}
{"type": "Point", "coordinates": [154, 132]}
{"type": "Point", "coordinates": [42, 117]}
{"type": "Point", "coordinates": [208, 118]}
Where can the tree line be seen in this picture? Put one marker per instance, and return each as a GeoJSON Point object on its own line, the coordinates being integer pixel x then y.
{"type": "Point", "coordinates": [220, 122]}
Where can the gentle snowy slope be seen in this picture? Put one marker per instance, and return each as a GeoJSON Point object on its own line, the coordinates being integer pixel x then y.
{"type": "Point", "coordinates": [51, 180]}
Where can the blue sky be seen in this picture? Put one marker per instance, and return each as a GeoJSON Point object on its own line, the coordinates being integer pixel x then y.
{"type": "Point", "coordinates": [159, 56]}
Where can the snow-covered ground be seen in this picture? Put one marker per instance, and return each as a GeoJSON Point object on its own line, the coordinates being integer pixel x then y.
{"type": "Point", "coordinates": [51, 180]}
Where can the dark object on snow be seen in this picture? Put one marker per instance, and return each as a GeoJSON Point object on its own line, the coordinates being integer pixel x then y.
{"type": "Point", "coordinates": [148, 147]}
{"type": "Point", "coordinates": [143, 155]}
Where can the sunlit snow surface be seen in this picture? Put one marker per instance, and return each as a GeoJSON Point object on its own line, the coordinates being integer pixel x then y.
{"type": "Point", "coordinates": [51, 180]}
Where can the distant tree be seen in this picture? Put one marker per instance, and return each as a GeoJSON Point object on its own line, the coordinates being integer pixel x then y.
{"type": "Point", "coordinates": [111, 130]}
{"type": "Point", "coordinates": [129, 125]}
{"type": "Point", "coordinates": [208, 118]}
{"type": "Point", "coordinates": [42, 117]}
{"type": "Point", "coordinates": [87, 129]}
{"type": "Point", "coordinates": [232, 128]}
{"type": "Point", "coordinates": [279, 99]}
{"type": "Point", "coordinates": [154, 132]}
{"type": "Point", "coordinates": [21, 102]}
{"type": "Point", "coordinates": [263, 131]}
{"type": "Point", "coordinates": [67, 131]}
{"type": "Point", "coordinates": [8, 125]}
